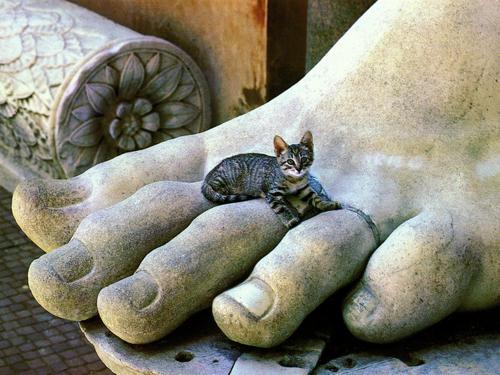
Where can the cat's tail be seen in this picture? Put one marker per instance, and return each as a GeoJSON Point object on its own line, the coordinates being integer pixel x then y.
{"type": "Point", "coordinates": [214, 196]}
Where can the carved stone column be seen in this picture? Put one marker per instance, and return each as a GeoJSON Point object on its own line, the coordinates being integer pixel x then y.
{"type": "Point", "coordinates": [77, 89]}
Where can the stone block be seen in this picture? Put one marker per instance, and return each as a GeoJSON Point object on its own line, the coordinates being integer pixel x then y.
{"type": "Point", "coordinates": [77, 89]}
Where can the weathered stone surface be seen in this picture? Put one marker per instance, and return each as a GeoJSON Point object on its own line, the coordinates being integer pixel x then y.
{"type": "Point", "coordinates": [11, 173]}
{"type": "Point", "coordinates": [405, 130]}
{"type": "Point", "coordinates": [182, 277]}
{"type": "Point", "coordinates": [297, 356]}
{"type": "Point", "coordinates": [49, 211]}
{"type": "Point", "coordinates": [480, 357]}
{"type": "Point", "coordinates": [109, 245]}
{"type": "Point", "coordinates": [71, 98]}
{"type": "Point", "coordinates": [200, 348]}
{"type": "Point", "coordinates": [468, 343]}
{"type": "Point", "coordinates": [127, 97]}
{"type": "Point", "coordinates": [441, 252]}
{"type": "Point", "coordinates": [322, 255]}
{"type": "Point", "coordinates": [360, 364]}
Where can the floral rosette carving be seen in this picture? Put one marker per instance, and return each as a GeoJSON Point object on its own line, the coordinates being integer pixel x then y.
{"type": "Point", "coordinates": [130, 102]}
{"type": "Point", "coordinates": [76, 89]}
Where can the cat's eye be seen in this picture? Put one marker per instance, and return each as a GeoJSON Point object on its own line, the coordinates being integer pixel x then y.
{"type": "Point", "coordinates": [303, 159]}
{"type": "Point", "coordinates": [290, 161]}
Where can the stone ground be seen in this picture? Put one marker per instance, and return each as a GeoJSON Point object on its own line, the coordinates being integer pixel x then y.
{"type": "Point", "coordinates": [32, 341]}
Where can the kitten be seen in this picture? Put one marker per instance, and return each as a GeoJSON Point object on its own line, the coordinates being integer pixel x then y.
{"type": "Point", "coordinates": [247, 176]}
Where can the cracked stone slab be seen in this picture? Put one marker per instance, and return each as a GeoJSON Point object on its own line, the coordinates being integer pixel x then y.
{"type": "Point", "coordinates": [199, 347]}
{"type": "Point", "coordinates": [297, 356]}
{"type": "Point", "coordinates": [457, 346]}
{"type": "Point", "coordinates": [480, 355]}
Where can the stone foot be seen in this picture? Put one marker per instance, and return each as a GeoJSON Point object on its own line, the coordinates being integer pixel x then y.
{"type": "Point", "coordinates": [182, 277]}
{"type": "Point", "coordinates": [109, 244]}
{"type": "Point", "coordinates": [418, 276]}
{"type": "Point", "coordinates": [49, 211]}
{"type": "Point", "coordinates": [312, 261]}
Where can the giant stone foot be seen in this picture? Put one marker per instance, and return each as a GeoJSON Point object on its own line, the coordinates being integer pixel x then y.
{"type": "Point", "coordinates": [313, 261]}
{"type": "Point", "coordinates": [404, 114]}
{"type": "Point", "coordinates": [183, 276]}
{"type": "Point", "coordinates": [109, 245]}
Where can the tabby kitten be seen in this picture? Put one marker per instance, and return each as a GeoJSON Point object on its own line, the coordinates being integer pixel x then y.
{"type": "Point", "coordinates": [247, 176]}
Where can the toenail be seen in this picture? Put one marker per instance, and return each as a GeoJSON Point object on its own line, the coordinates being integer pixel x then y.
{"type": "Point", "coordinates": [362, 302]}
{"type": "Point", "coordinates": [71, 261]}
{"type": "Point", "coordinates": [254, 295]}
{"type": "Point", "coordinates": [144, 290]}
{"type": "Point", "coordinates": [138, 292]}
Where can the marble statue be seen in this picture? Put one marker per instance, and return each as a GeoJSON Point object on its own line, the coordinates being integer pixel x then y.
{"type": "Point", "coordinates": [404, 110]}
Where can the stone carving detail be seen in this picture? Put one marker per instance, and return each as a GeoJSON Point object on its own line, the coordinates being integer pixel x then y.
{"type": "Point", "coordinates": [70, 98]}
{"type": "Point", "coordinates": [131, 102]}
{"type": "Point", "coordinates": [37, 47]}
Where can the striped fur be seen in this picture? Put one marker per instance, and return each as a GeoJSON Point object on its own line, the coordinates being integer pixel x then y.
{"type": "Point", "coordinates": [247, 176]}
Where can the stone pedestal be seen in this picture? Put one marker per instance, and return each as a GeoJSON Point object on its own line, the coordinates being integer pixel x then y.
{"type": "Point", "coordinates": [201, 348]}
{"type": "Point", "coordinates": [321, 347]}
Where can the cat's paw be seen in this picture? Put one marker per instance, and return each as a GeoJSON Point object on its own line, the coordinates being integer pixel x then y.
{"type": "Point", "coordinates": [292, 222]}
{"type": "Point", "coordinates": [328, 205]}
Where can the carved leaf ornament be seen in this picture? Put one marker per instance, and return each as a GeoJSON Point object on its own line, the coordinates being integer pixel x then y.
{"type": "Point", "coordinates": [38, 46]}
{"type": "Point", "coordinates": [72, 96]}
{"type": "Point", "coordinates": [135, 108]}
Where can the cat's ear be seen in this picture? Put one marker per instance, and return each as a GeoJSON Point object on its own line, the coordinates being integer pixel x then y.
{"type": "Point", "coordinates": [279, 145]}
{"type": "Point", "coordinates": [307, 140]}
